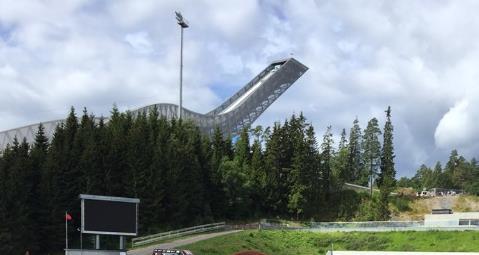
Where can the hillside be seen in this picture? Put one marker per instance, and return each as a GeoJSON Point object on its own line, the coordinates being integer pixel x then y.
{"type": "Point", "coordinates": [415, 209]}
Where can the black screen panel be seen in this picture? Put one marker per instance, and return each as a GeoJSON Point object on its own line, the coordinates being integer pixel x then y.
{"type": "Point", "coordinates": [109, 216]}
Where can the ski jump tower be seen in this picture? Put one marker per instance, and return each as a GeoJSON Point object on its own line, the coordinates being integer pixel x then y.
{"type": "Point", "coordinates": [238, 111]}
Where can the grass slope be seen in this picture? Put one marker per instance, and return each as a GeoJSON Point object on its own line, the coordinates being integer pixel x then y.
{"type": "Point", "coordinates": [298, 242]}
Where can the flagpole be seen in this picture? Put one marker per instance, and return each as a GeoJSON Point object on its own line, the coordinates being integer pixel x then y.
{"type": "Point", "coordinates": [66, 232]}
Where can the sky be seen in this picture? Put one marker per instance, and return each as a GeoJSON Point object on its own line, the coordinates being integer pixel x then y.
{"type": "Point", "coordinates": [419, 57]}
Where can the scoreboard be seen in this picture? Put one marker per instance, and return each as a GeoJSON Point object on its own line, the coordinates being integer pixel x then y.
{"type": "Point", "coordinates": [109, 215]}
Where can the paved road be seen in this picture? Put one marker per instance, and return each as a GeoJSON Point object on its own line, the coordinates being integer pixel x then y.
{"type": "Point", "coordinates": [176, 243]}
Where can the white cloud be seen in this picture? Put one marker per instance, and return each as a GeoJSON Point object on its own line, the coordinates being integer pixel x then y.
{"type": "Point", "coordinates": [140, 41]}
{"type": "Point", "coordinates": [420, 57]}
{"type": "Point", "coordinates": [458, 127]}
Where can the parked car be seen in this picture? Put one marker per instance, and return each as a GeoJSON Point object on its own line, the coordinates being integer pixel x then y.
{"type": "Point", "coordinates": [171, 252]}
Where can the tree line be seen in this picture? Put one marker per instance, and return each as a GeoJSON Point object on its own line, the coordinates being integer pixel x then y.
{"type": "Point", "coordinates": [185, 178]}
{"type": "Point", "coordinates": [458, 173]}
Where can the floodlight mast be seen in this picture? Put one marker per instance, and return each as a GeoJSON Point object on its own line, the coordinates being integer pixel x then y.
{"type": "Point", "coordinates": [183, 24]}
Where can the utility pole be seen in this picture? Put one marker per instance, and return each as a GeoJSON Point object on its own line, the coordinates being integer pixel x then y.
{"type": "Point", "coordinates": [183, 24]}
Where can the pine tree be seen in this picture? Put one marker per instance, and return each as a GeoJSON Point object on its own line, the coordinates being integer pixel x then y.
{"type": "Point", "coordinates": [386, 181]}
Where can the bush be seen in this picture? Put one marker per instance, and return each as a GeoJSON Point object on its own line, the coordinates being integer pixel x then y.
{"type": "Point", "coordinates": [368, 210]}
{"type": "Point", "coordinates": [401, 203]}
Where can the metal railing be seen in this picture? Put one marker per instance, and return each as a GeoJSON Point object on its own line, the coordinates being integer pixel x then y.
{"type": "Point", "coordinates": [368, 224]}
{"type": "Point", "coordinates": [138, 241]}
{"type": "Point", "coordinates": [373, 226]}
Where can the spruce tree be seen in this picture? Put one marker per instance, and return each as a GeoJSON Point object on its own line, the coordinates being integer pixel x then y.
{"type": "Point", "coordinates": [72, 175]}
{"type": "Point", "coordinates": [340, 167]}
{"type": "Point", "coordinates": [242, 148]}
{"type": "Point", "coordinates": [257, 176]}
{"type": "Point", "coordinates": [277, 190]}
{"type": "Point", "coordinates": [298, 199]}
{"type": "Point", "coordinates": [354, 157]}
{"type": "Point", "coordinates": [139, 155]}
{"type": "Point", "coordinates": [450, 169]}
{"type": "Point", "coordinates": [386, 181]}
{"type": "Point", "coordinates": [327, 152]}
{"type": "Point", "coordinates": [438, 175]}
{"type": "Point", "coordinates": [371, 154]}
{"type": "Point", "coordinates": [218, 154]}
{"type": "Point", "coordinates": [53, 186]}
{"type": "Point", "coordinates": [115, 160]}
{"type": "Point", "coordinates": [36, 199]}
{"type": "Point", "coordinates": [5, 234]}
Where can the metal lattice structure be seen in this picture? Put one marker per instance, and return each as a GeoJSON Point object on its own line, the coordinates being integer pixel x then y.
{"type": "Point", "coordinates": [237, 112]}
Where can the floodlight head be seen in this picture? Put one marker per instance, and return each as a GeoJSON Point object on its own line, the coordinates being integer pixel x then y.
{"type": "Point", "coordinates": [181, 21]}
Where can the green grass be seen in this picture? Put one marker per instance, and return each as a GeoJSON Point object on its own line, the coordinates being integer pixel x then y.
{"type": "Point", "coordinates": [298, 242]}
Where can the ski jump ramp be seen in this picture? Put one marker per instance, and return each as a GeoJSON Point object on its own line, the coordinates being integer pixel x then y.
{"type": "Point", "coordinates": [237, 112]}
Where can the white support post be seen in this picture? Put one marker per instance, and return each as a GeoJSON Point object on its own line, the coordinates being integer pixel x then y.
{"type": "Point", "coordinates": [97, 242]}
{"type": "Point", "coordinates": [66, 233]}
{"type": "Point", "coordinates": [122, 242]}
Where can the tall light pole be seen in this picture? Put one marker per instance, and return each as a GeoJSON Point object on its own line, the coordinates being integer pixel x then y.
{"type": "Point", "coordinates": [183, 24]}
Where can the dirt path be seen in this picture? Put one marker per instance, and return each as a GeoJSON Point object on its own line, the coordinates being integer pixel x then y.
{"type": "Point", "coordinates": [176, 243]}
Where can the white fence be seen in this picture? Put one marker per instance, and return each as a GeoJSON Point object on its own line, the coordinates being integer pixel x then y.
{"type": "Point", "coordinates": [176, 233]}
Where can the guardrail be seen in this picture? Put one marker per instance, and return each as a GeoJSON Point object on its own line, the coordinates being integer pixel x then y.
{"type": "Point", "coordinates": [138, 241]}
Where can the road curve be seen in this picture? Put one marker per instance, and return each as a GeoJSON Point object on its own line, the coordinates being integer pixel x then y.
{"type": "Point", "coordinates": [179, 242]}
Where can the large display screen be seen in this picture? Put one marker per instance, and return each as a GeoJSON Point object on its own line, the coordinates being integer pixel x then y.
{"type": "Point", "coordinates": [109, 217]}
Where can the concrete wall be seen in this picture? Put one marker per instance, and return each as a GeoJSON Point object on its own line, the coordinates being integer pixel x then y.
{"type": "Point", "coordinates": [93, 252]}
{"type": "Point", "coordinates": [448, 220]}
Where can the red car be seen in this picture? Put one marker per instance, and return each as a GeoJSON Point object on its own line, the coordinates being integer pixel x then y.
{"type": "Point", "coordinates": [171, 252]}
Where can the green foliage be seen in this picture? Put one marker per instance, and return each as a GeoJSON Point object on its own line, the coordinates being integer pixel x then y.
{"type": "Point", "coordinates": [340, 163]}
{"type": "Point", "coordinates": [386, 181]}
{"type": "Point", "coordinates": [459, 173]}
{"type": "Point", "coordinates": [402, 204]}
{"type": "Point", "coordinates": [182, 177]}
{"type": "Point", "coordinates": [355, 153]}
{"type": "Point", "coordinates": [369, 209]}
{"type": "Point", "coordinates": [326, 161]}
{"type": "Point", "coordinates": [371, 153]}
{"type": "Point", "coordinates": [302, 242]}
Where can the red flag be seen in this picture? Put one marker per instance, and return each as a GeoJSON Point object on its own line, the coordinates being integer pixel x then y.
{"type": "Point", "coordinates": [68, 216]}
